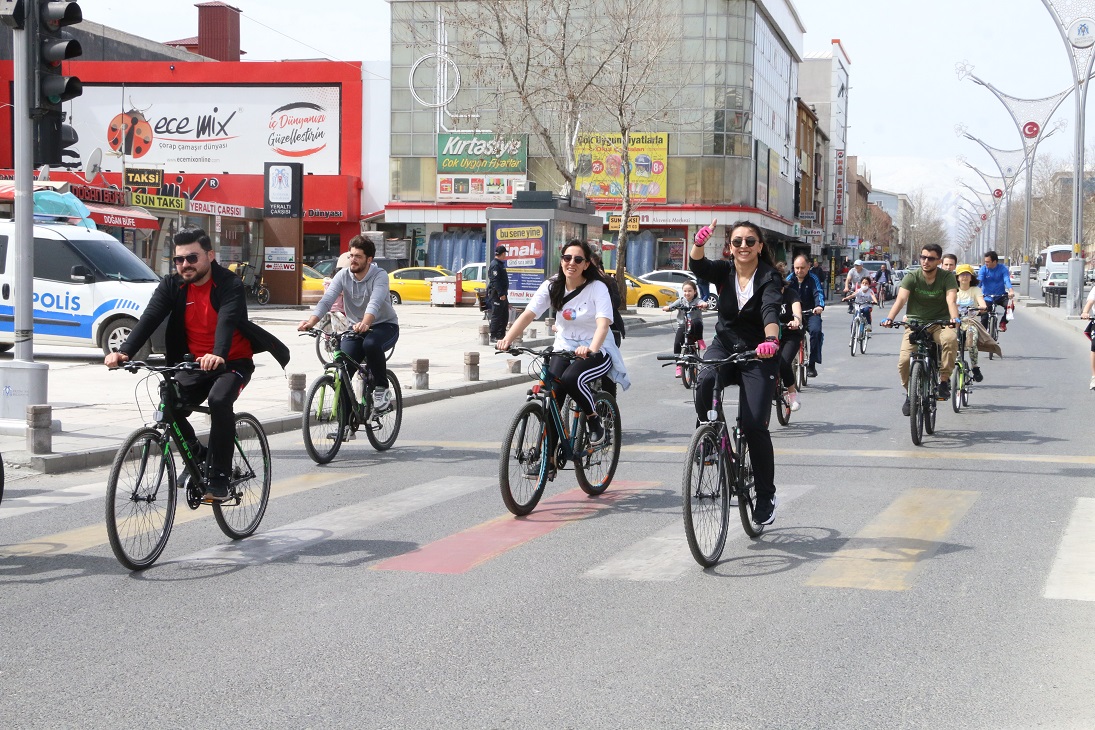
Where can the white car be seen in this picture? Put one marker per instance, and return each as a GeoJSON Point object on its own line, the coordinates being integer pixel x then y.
{"type": "Point", "coordinates": [673, 278]}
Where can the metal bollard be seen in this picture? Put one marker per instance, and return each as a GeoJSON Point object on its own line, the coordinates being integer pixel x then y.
{"type": "Point", "coordinates": [471, 366]}
{"type": "Point", "coordinates": [484, 334]}
{"type": "Point", "coordinates": [513, 366]}
{"type": "Point", "coordinates": [297, 383]}
{"type": "Point", "coordinates": [421, 370]}
{"type": "Point", "coordinates": [39, 438]}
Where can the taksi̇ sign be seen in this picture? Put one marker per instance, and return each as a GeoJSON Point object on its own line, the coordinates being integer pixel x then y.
{"type": "Point", "coordinates": [614, 220]}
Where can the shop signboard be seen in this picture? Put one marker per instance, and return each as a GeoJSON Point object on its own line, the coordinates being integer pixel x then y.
{"type": "Point", "coordinates": [838, 190]}
{"type": "Point", "coordinates": [284, 189]}
{"type": "Point", "coordinates": [160, 202]}
{"type": "Point", "coordinates": [480, 167]}
{"type": "Point", "coordinates": [280, 254]}
{"type": "Point", "coordinates": [600, 166]}
{"type": "Point", "coordinates": [614, 222]}
{"type": "Point", "coordinates": [202, 207]}
{"type": "Point", "coordinates": [526, 244]}
{"type": "Point", "coordinates": [139, 177]}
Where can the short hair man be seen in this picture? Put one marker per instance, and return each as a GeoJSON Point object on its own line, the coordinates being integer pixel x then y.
{"type": "Point", "coordinates": [206, 311]}
{"type": "Point", "coordinates": [811, 293]}
{"type": "Point", "coordinates": [949, 262]}
{"type": "Point", "coordinates": [996, 287]}
{"type": "Point", "coordinates": [931, 293]}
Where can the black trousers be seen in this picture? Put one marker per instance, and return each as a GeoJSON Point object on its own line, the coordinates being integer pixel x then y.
{"type": "Point", "coordinates": [221, 388]}
{"type": "Point", "coordinates": [995, 300]}
{"type": "Point", "coordinates": [499, 317]}
{"type": "Point", "coordinates": [788, 350]}
{"type": "Point", "coordinates": [370, 349]}
{"type": "Point", "coordinates": [756, 389]}
{"type": "Point", "coordinates": [575, 378]}
{"type": "Point", "coordinates": [696, 335]}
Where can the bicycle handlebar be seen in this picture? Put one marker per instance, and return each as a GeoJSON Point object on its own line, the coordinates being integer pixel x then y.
{"type": "Point", "coordinates": [135, 365]}
{"type": "Point", "coordinates": [690, 359]}
{"type": "Point", "coordinates": [544, 352]}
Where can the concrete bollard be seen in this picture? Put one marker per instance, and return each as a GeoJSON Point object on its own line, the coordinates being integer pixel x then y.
{"type": "Point", "coordinates": [39, 438]}
{"type": "Point", "coordinates": [484, 334]}
{"type": "Point", "coordinates": [513, 366]}
{"type": "Point", "coordinates": [549, 323]}
{"type": "Point", "coordinates": [421, 370]}
{"type": "Point", "coordinates": [297, 384]}
{"type": "Point", "coordinates": [471, 366]}
{"type": "Point", "coordinates": [532, 333]}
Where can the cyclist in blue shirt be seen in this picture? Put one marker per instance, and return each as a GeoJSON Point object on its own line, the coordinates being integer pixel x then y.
{"type": "Point", "coordinates": [996, 287]}
{"type": "Point", "coordinates": [812, 295]}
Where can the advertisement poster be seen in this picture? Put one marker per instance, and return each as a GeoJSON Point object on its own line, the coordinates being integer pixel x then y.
{"type": "Point", "coordinates": [600, 166]}
{"type": "Point", "coordinates": [838, 190]}
{"type": "Point", "coordinates": [210, 129]}
{"type": "Point", "coordinates": [525, 243]}
{"type": "Point", "coordinates": [480, 167]}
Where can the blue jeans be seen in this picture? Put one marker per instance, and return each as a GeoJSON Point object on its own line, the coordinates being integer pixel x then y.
{"type": "Point", "coordinates": [369, 349]}
{"type": "Point", "coordinates": [813, 326]}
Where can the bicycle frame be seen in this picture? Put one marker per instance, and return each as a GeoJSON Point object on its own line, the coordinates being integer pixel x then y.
{"type": "Point", "coordinates": [568, 441]}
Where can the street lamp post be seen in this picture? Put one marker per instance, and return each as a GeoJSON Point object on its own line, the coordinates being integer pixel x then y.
{"type": "Point", "coordinates": [1077, 30]}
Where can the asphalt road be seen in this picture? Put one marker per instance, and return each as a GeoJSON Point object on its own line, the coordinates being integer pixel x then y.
{"type": "Point", "coordinates": [944, 586]}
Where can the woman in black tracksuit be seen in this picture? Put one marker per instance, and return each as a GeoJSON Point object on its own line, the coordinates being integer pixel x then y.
{"type": "Point", "coordinates": [751, 295]}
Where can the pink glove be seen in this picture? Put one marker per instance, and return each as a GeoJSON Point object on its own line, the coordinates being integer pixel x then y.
{"type": "Point", "coordinates": [767, 349]}
{"type": "Point", "coordinates": [702, 235]}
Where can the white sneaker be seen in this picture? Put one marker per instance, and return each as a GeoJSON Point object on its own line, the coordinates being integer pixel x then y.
{"type": "Point", "coordinates": [792, 398]}
{"type": "Point", "coordinates": [382, 398]}
{"type": "Point", "coordinates": [1091, 385]}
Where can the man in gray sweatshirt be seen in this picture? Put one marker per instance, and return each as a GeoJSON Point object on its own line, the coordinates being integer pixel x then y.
{"type": "Point", "coordinates": [364, 290]}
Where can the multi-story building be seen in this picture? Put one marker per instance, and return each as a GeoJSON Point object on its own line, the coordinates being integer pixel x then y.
{"type": "Point", "coordinates": [728, 152]}
{"type": "Point", "coordinates": [901, 212]}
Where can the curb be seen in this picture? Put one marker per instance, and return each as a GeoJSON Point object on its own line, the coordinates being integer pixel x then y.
{"type": "Point", "coordinates": [60, 463]}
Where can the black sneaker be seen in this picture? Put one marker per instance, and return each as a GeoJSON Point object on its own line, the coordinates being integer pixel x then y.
{"type": "Point", "coordinates": [905, 407]}
{"type": "Point", "coordinates": [595, 430]}
{"type": "Point", "coordinates": [977, 376]}
{"type": "Point", "coordinates": [219, 485]}
{"type": "Point", "coordinates": [944, 390]}
{"type": "Point", "coordinates": [811, 372]}
{"type": "Point", "coordinates": [764, 513]}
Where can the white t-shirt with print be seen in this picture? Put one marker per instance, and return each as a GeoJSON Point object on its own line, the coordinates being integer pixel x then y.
{"type": "Point", "coordinates": [577, 320]}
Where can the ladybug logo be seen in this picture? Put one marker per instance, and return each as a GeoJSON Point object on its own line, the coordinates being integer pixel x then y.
{"type": "Point", "coordinates": [130, 133]}
{"type": "Point", "coordinates": [569, 315]}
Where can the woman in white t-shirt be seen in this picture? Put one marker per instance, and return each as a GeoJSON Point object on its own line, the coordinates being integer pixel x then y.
{"type": "Point", "coordinates": [583, 317]}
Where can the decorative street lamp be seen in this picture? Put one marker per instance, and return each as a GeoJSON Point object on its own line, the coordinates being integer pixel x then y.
{"type": "Point", "coordinates": [1077, 27]}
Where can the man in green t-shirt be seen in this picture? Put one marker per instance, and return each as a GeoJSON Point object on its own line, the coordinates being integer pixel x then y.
{"type": "Point", "coordinates": [932, 294]}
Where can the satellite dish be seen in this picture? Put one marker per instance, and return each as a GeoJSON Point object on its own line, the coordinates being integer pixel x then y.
{"type": "Point", "coordinates": [94, 165]}
{"type": "Point", "coordinates": [43, 173]}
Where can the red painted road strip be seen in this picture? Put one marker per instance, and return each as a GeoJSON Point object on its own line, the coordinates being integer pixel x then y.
{"type": "Point", "coordinates": [463, 551]}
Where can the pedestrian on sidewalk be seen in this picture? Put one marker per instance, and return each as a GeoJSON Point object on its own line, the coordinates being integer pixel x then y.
{"type": "Point", "coordinates": [498, 294]}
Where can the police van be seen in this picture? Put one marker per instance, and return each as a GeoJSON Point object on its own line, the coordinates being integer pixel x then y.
{"type": "Point", "coordinates": [89, 289]}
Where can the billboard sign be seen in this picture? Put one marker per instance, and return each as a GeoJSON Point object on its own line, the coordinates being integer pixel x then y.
{"type": "Point", "coordinates": [600, 166]}
{"type": "Point", "coordinates": [480, 167]}
{"type": "Point", "coordinates": [526, 244]}
{"type": "Point", "coordinates": [838, 190]}
{"type": "Point", "coordinates": [211, 129]}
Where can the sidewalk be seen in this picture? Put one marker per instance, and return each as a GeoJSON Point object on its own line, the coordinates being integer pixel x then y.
{"type": "Point", "coordinates": [98, 408]}
{"type": "Point", "coordinates": [1036, 307]}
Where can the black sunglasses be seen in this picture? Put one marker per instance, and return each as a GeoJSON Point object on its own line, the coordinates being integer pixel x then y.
{"type": "Point", "coordinates": [929, 258]}
{"type": "Point", "coordinates": [739, 242]}
{"type": "Point", "coordinates": [576, 259]}
{"type": "Point", "coordinates": [190, 258]}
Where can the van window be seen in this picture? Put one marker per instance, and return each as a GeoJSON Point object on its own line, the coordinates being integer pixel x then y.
{"type": "Point", "coordinates": [1060, 257]}
{"type": "Point", "coordinates": [113, 260]}
{"type": "Point", "coordinates": [53, 260]}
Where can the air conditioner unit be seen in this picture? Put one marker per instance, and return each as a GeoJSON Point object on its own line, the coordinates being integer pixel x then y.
{"type": "Point", "coordinates": [520, 186]}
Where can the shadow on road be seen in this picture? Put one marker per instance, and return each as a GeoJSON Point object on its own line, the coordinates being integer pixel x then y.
{"type": "Point", "coordinates": [799, 429]}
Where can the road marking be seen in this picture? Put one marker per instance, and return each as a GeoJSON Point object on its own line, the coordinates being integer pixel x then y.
{"type": "Point", "coordinates": [465, 550]}
{"type": "Point", "coordinates": [885, 553]}
{"type": "Point", "coordinates": [1073, 573]}
{"type": "Point", "coordinates": [86, 538]}
{"type": "Point", "coordinates": [295, 537]}
{"type": "Point", "coordinates": [20, 506]}
{"type": "Point", "coordinates": [664, 556]}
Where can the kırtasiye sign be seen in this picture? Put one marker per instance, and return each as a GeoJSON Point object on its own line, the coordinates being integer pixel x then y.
{"type": "Point", "coordinates": [481, 154]}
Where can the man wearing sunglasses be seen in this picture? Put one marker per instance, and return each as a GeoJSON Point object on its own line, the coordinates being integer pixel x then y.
{"type": "Point", "coordinates": [931, 293]}
{"type": "Point", "coordinates": [206, 312]}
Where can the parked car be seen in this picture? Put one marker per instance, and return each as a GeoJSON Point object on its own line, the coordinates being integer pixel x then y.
{"type": "Point", "coordinates": [675, 278]}
{"type": "Point", "coordinates": [326, 267]}
{"type": "Point", "coordinates": [642, 294]}
{"type": "Point", "coordinates": [311, 288]}
{"type": "Point", "coordinates": [413, 284]}
{"type": "Point", "coordinates": [1015, 272]}
{"type": "Point", "coordinates": [1057, 283]}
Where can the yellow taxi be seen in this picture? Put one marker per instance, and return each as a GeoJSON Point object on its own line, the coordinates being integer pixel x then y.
{"type": "Point", "coordinates": [413, 284]}
{"type": "Point", "coordinates": [311, 288]}
{"type": "Point", "coordinates": [644, 295]}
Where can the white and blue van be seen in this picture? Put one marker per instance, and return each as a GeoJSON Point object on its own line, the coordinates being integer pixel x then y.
{"type": "Point", "coordinates": [89, 289]}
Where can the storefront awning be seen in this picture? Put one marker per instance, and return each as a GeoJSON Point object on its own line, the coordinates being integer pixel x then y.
{"type": "Point", "coordinates": [122, 216]}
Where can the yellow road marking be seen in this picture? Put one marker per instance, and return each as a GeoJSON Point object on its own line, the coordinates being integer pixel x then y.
{"type": "Point", "coordinates": [883, 556]}
{"type": "Point", "coordinates": [85, 538]}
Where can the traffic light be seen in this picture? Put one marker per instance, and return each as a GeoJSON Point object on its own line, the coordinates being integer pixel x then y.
{"type": "Point", "coordinates": [49, 47]}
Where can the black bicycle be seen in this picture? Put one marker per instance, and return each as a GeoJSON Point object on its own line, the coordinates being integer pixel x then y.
{"type": "Point", "coordinates": [143, 483]}
{"type": "Point", "coordinates": [991, 319]}
{"type": "Point", "coordinates": [717, 465]}
{"type": "Point", "coordinates": [340, 402]}
{"type": "Point", "coordinates": [923, 376]}
{"type": "Point", "coordinates": [252, 282]}
{"type": "Point", "coordinates": [543, 438]}
{"type": "Point", "coordinates": [690, 346]}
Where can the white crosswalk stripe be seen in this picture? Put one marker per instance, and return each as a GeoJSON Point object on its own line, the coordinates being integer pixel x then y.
{"type": "Point", "coordinates": [1073, 573]}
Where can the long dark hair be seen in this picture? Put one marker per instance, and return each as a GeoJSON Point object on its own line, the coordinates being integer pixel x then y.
{"type": "Point", "coordinates": [557, 288]}
{"type": "Point", "coordinates": [766, 254]}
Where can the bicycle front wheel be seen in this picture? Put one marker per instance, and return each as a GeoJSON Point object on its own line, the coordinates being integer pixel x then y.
{"type": "Point", "coordinates": [855, 334]}
{"type": "Point", "coordinates": [747, 490]}
{"type": "Point", "coordinates": [522, 470]}
{"type": "Point", "coordinates": [916, 402]}
{"type": "Point", "coordinates": [783, 406]}
{"type": "Point", "coordinates": [863, 338]}
{"type": "Point", "coordinates": [706, 495]}
{"type": "Point", "coordinates": [140, 499]}
{"type": "Point", "coordinates": [262, 296]}
{"type": "Point", "coordinates": [323, 422]}
{"type": "Point", "coordinates": [958, 381]}
{"type": "Point", "coordinates": [595, 465]}
{"type": "Point", "coordinates": [383, 426]}
{"type": "Point", "coordinates": [931, 401]}
{"type": "Point", "coordinates": [250, 480]}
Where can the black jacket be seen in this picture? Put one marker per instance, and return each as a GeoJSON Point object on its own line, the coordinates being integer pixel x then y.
{"type": "Point", "coordinates": [228, 299]}
{"type": "Point", "coordinates": [744, 329]}
{"type": "Point", "coordinates": [497, 278]}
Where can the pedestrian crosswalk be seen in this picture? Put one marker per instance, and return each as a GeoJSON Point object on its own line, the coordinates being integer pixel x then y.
{"type": "Point", "coordinates": [888, 552]}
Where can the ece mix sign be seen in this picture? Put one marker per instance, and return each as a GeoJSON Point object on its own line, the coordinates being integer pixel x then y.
{"type": "Point", "coordinates": [480, 167]}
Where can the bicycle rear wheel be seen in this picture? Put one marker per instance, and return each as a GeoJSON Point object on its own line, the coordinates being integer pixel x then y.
{"type": "Point", "coordinates": [746, 489]}
{"type": "Point", "coordinates": [855, 331]}
{"type": "Point", "coordinates": [967, 388]}
{"type": "Point", "coordinates": [706, 494]}
{"type": "Point", "coordinates": [382, 427]}
{"type": "Point", "coordinates": [523, 468]}
{"type": "Point", "coordinates": [916, 402]}
{"type": "Point", "coordinates": [783, 407]}
{"type": "Point", "coordinates": [863, 338]}
{"type": "Point", "coordinates": [262, 296]}
{"type": "Point", "coordinates": [594, 466]}
{"type": "Point", "coordinates": [994, 325]}
{"type": "Point", "coordinates": [323, 422]}
{"type": "Point", "coordinates": [251, 475]}
{"type": "Point", "coordinates": [931, 402]}
{"type": "Point", "coordinates": [688, 372]}
{"type": "Point", "coordinates": [958, 381]}
{"type": "Point", "coordinates": [140, 499]}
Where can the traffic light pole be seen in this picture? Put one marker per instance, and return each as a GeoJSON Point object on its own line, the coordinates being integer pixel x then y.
{"type": "Point", "coordinates": [23, 382]}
